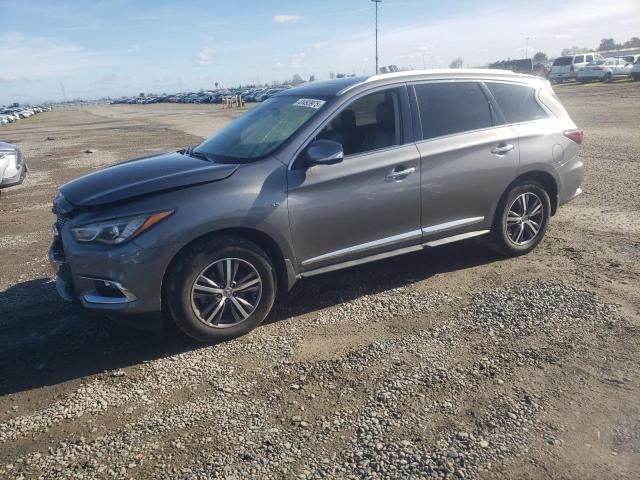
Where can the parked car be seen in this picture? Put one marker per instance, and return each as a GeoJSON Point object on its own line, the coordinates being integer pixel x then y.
{"type": "Point", "coordinates": [630, 58]}
{"type": "Point", "coordinates": [635, 70]}
{"type": "Point", "coordinates": [565, 67]}
{"type": "Point", "coordinates": [604, 70]}
{"type": "Point", "coordinates": [13, 168]}
{"type": "Point", "coordinates": [317, 178]}
{"type": "Point", "coordinates": [524, 65]}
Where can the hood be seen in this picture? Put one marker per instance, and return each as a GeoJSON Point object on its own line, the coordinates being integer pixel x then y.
{"type": "Point", "coordinates": [143, 176]}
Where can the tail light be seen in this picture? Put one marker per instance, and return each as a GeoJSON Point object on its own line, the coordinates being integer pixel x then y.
{"type": "Point", "coordinates": [576, 135]}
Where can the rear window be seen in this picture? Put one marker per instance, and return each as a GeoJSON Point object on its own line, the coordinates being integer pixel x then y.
{"type": "Point", "coordinates": [447, 108]}
{"type": "Point", "coordinates": [562, 61]}
{"type": "Point", "coordinates": [517, 102]}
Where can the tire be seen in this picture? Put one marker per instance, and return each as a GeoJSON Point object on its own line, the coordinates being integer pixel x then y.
{"type": "Point", "coordinates": [506, 229]}
{"type": "Point", "coordinates": [607, 78]}
{"type": "Point", "coordinates": [221, 312]}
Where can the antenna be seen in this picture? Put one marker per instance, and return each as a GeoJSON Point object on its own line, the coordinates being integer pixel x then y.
{"type": "Point", "coordinates": [376, 2]}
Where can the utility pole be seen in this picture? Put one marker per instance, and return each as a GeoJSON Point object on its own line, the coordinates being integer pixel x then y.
{"type": "Point", "coordinates": [376, 2]}
{"type": "Point", "coordinates": [526, 49]}
{"type": "Point", "coordinates": [64, 95]}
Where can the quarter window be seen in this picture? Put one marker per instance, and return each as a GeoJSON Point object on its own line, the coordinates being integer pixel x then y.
{"type": "Point", "coordinates": [448, 108]}
{"type": "Point", "coordinates": [517, 102]}
{"type": "Point", "coordinates": [369, 123]}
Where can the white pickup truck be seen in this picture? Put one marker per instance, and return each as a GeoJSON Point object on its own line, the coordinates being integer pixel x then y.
{"type": "Point", "coordinates": [13, 168]}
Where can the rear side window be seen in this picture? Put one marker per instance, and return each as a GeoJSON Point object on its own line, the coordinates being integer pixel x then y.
{"type": "Point", "coordinates": [579, 59]}
{"type": "Point", "coordinates": [589, 58]}
{"type": "Point", "coordinates": [562, 61]}
{"type": "Point", "coordinates": [447, 108]}
{"type": "Point", "coordinates": [517, 102]}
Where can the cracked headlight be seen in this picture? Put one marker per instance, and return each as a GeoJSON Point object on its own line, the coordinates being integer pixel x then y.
{"type": "Point", "coordinates": [118, 230]}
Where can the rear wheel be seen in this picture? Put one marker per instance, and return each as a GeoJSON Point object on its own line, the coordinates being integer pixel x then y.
{"type": "Point", "coordinates": [521, 219]}
{"type": "Point", "coordinates": [607, 78]}
{"type": "Point", "coordinates": [220, 288]}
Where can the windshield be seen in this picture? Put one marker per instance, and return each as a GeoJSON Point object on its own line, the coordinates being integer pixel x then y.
{"type": "Point", "coordinates": [263, 129]}
{"type": "Point", "coordinates": [561, 61]}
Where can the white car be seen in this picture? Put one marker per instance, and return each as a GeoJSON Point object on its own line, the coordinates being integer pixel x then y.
{"type": "Point", "coordinates": [565, 67]}
{"type": "Point", "coordinates": [604, 70]}
{"type": "Point", "coordinates": [13, 168]}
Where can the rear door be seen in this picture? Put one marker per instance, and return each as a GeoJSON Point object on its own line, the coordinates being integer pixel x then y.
{"type": "Point", "coordinates": [468, 158]}
{"type": "Point", "coordinates": [562, 65]}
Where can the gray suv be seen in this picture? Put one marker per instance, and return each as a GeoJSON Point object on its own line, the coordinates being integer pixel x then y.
{"type": "Point", "coordinates": [317, 178]}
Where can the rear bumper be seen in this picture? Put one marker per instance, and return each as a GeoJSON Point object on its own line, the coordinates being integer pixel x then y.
{"type": "Point", "coordinates": [588, 78]}
{"type": "Point", "coordinates": [570, 175]}
{"type": "Point", "coordinates": [16, 179]}
{"type": "Point", "coordinates": [562, 76]}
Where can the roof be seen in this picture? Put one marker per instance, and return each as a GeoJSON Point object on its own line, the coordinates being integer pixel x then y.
{"type": "Point", "coordinates": [447, 73]}
{"type": "Point", "coordinates": [328, 88]}
{"type": "Point", "coordinates": [342, 85]}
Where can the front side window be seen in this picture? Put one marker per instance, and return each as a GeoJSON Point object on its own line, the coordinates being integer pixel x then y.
{"type": "Point", "coordinates": [589, 58]}
{"type": "Point", "coordinates": [448, 108]}
{"type": "Point", "coordinates": [517, 102]}
{"type": "Point", "coordinates": [367, 124]}
{"type": "Point", "coordinates": [260, 131]}
{"type": "Point", "coordinates": [579, 59]}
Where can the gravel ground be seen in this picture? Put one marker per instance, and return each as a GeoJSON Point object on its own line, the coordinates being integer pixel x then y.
{"type": "Point", "coordinates": [448, 363]}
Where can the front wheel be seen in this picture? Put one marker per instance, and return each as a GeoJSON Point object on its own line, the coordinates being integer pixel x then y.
{"type": "Point", "coordinates": [521, 219]}
{"type": "Point", "coordinates": [220, 288]}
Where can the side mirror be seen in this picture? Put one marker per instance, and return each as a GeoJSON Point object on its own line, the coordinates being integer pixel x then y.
{"type": "Point", "coordinates": [323, 152]}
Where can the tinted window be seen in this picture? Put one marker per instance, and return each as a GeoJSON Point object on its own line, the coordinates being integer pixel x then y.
{"type": "Point", "coordinates": [589, 58]}
{"type": "Point", "coordinates": [579, 59]}
{"type": "Point", "coordinates": [369, 123]}
{"type": "Point", "coordinates": [517, 102]}
{"type": "Point", "coordinates": [561, 61]}
{"type": "Point", "coordinates": [447, 108]}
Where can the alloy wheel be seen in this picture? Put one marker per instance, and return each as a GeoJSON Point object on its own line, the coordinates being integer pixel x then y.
{"type": "Point", "coordinates": [226, 292]}
{"type": "Point", "coordinates": [524, 219]}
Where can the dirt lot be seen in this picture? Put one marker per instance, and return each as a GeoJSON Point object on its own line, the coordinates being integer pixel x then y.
{"type": "Point", "coordinates": [446, 363]}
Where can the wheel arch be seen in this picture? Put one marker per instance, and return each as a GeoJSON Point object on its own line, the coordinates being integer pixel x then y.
{"type": "Point", "coordinates": [284, 275]}
{"type": "Point", "coordinates": [543, 178]}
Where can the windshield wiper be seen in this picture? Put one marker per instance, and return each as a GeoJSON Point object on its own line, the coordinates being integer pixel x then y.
{"type": "Point", "coordinates": [192, 153]}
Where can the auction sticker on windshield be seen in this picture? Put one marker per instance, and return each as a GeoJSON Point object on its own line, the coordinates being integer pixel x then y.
{"type": "Point", "coordinates": [309, 103]}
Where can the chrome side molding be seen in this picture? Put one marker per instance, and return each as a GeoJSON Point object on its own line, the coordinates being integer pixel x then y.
{"type": "Point", "coordinates": [392, 253]}
{"type": "Point", "coordinates": [450, 225]}
{"type": "Point", "coordinates": [456, 238]}
{"type": "Point", "coordinates": [383, 242]}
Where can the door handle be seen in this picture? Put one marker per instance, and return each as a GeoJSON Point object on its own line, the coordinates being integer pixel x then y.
{"type": "Point", "coordinates": [502, 149]}
{"type": "Point", "coordinates": [400, 174]}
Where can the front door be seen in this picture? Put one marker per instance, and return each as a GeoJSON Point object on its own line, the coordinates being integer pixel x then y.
{"type": "Point", "coordinates": [370, 202]}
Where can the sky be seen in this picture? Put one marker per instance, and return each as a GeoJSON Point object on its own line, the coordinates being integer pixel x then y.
{"type": "Point", "coordinates": [100, 48]}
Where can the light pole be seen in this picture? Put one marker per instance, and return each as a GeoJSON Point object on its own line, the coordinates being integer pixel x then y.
{"type": "Point", "coordinates": [376, 2]}
{"type": "Point", "coordinates": [526, 49]}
